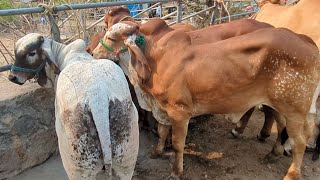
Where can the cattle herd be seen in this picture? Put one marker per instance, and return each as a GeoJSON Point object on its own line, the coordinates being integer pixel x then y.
{"type": "Point", "coordinates": [177, 73]}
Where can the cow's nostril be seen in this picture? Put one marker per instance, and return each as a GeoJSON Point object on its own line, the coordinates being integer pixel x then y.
{"type": "Point", "coordinates": [12, 78]}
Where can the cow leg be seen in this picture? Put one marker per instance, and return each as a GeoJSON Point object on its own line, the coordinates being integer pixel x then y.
{"type": "Point", "coordinates": [312, 118]}
{"type": "Point", "coordinates": [299, 131]}
{"type": "Point", "coordinates": [179, 134]}
{"type": "Point", "coordinates": [268, 122]}
{"type": "Point", "coordinates": [163, 131]}
{"type": "Point", "coordinates": [316, 151]}
{"type": "Point", "coordinates": [241, 125]}
{"type": "Point", "coordinates": [277, 149]}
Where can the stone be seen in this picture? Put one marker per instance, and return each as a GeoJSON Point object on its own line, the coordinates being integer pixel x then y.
{"type": "Point", "coordinates": [27, 131]}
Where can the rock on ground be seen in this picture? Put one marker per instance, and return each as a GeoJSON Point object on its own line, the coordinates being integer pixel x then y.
{"type": "Point", "coordinates": [27, 132]}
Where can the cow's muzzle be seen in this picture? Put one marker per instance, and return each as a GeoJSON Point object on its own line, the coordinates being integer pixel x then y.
{"type": "Point", "coordinates": [15, 79]}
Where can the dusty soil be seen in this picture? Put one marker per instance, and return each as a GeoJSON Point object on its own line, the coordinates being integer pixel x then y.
{"type": "Point", "coordinates": [229, 159]}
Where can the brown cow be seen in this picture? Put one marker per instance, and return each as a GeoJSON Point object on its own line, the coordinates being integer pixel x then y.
{"type": "Point", "coordinates": [179, 80]}
{"type": "Point", "coordinates": [225, 31]}
{"type": "Point", "coordinates": [300, 18]}
{"type": "Point", "coordinates": [117, 14]}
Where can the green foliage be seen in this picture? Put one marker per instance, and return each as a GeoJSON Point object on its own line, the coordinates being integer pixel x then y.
{"type": "Point", "coordinates": [6, 4]}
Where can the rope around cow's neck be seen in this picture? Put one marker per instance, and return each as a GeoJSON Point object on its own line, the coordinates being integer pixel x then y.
{"type": "Point", "coordinates": [140, 41]}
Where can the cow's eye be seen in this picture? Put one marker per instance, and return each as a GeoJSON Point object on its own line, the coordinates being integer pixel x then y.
{"type": "Point", "coordinates": [32, 54]}
{"type": "Point", "coordinates": [111, 39]}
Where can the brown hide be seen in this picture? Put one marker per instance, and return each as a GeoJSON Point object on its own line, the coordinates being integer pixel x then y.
{"type": "Point", "coordinates": [225, 31]}
{"type": "Point", "coordinates": [94, 41]}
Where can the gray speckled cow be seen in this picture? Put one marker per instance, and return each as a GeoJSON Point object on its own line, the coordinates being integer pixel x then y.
{"type": "Point", "coordinates": [96, 120]}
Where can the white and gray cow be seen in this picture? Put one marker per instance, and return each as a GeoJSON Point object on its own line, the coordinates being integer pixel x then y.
{"type": "Point", "coordinates": [96, 120]}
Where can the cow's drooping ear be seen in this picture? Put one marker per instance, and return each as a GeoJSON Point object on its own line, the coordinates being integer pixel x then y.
{"type": "Point", "coordinates": [47, 51]}
{"type": "Point", "coordinates": [129, 31]}
{"type": "Point", "coordinates": [138, 60]}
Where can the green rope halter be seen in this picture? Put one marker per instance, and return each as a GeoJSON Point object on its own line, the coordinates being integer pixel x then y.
{"type": "Point", "coordinates": [139, 41]}
{"type": "Point", "coordinates": [116, 52]}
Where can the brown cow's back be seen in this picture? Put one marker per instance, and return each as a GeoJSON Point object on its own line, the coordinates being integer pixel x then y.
{"type": "Point", "coordinates": [224, 31]}
{"type": "Point", "coordinates": [301, 18]}
{"type": "Point", "coordinates": [267, 48]}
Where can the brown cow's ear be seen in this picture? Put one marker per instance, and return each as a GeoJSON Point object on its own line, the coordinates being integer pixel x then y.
{"type": "Point", "coordinates": [110, 12]}
{"type": "Point", "coordinates": [139, 62]}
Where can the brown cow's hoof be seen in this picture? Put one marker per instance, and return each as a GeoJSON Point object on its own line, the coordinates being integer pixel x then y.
{"type": "Point", "coordinates": [316, 153]}
{"type": "Point", "coordinates": [262, 138]}
{"type": "Point", "coordinates": [173, 177]}
{"type": "Point", "coordinates": [292, 176]}
{"type": "Point", "coordinates": [270, 159]}
{"type": "Point", "coordinates": [233, 134]}
{"type": "Point", "coordinates": [155, 154]}
{"type": "Point", "coordinates": [315, 156]}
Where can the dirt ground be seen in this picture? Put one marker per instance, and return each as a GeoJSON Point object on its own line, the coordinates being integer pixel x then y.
{"type": "Point", "coordinates": [230, 159]}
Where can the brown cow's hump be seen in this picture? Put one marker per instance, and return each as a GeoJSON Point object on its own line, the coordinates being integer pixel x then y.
{"type": "Point", "coordinates": [154, 27]}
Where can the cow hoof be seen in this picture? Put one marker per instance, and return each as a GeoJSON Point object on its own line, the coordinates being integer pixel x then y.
{"type": "Point", "coordinates": [270, 159]}
{"type": "Point", "coordinates": [310, 148]}
{"type": "Point", "coordinates": [293, 175]}
{"type": "Point", "coordinates": [233, 134]}
{"type": "Point", "coordinates": [287, 152]}
{"type": "Point", "coordinates": [315, 155]}
{"type": "Point", "coordinates": [262, 138]}
{"type": "Point", "coordinates": [173, 177]}
{"type": "Point", "coordinates": [155, 155]}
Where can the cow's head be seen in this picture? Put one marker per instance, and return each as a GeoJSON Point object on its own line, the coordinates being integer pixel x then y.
{"type": "Point", "coordinates": [120, 38]}
{"type": "Point", "coordinates": [32, 52]}
{"type": "Point", "coordinates": [115, 15]}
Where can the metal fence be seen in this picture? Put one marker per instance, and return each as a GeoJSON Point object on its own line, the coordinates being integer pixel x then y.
{"type": "Point", "coordinates": [77, 20]}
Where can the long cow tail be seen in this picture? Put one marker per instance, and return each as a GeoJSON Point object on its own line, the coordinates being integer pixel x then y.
{"type": "Point", "coordinates": [100, 113]}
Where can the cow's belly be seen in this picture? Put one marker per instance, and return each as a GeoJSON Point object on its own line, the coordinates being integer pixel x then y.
{"type": "Point", "coordinates": [237, 103]}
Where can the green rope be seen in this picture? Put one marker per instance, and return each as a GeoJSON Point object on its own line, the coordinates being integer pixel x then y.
{"type": "Point", "coordinates": [139, 41]}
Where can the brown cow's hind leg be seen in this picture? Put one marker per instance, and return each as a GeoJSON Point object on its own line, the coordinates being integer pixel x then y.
{"type": "Point", "coordinates": [277, 149]}
{"type": "Point", "coordinates": [268, 122]}
{"type": "Point", "coordinates": [163, 131]}
{"type": "Point", "coordinates": [179, 134]}
{"type": "Point", "coordinates": [241, 125]}
{"type": "Point", "coordinates": [298, 130]}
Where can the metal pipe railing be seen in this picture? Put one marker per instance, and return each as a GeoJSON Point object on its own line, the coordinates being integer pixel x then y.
{"type": "Point", "coordinates": [145, 10]}
{"type": "Point", "coordinates": [5, 68]}
{"type": "Point", "coordinates": [194, 14]}
{"type": "Point", "coordinates": [235, 15]}
{"type": "Point", "coordinates": [7, 12]}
